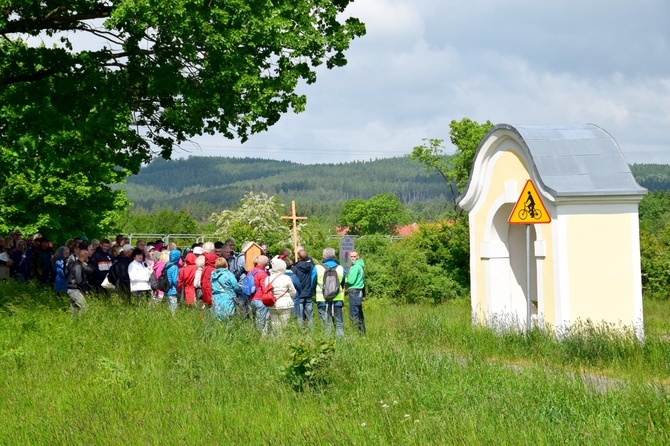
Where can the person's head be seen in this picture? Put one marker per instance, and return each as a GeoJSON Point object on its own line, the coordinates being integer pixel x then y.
{"type": "Point", "coordinates": [175, 255]}
{"type": "Point", "coordinates": [289, 263]}
{"type": "Point", "coordinates": [18, 235]}
{"type": "Point", "coordinates": [119, 239]}
{"type": "Point", "coordinates": [21, 245]}
{"type": "Point", "coordinates": [115, 250]}
{"type": "Point", "coordinates": [262, 261]}
{"type": "Point", "coordinates": [77, 240]}
{"type": "Point", "coordinates": [226, 252]}
{"type": "Point", "coordinates": [221, 263]}
{"type": "Point", "coordinates": [278, 266]}
{"type": "Point", "coordinates": [150, 250]}
{"type": "Point", "coordinates": [218, 248]}
{"type": "Point", "coordinates": [200, 261]}
{"type": "Point", "coordinates": [207, 247]}
{"type": "Point", "coordinates": [125, 241]}
{"type": "Point", "coordinates": [198, 251]}
{"type": "Point", "coordinates": [353, 256]}
{"type": "Point", "coordinates": [128, 250]}
{"type": "Point", "coordinates": [62, 253]}
{"type": "Point", "coordinates": [285, 253]}
{"type": "Point", "coordinates": [138, 254]}
{"type": "Point", "coordinates": [328, 253]}
{"type": "Point", "coordinates": [264, 249]}
{"type": "Point", "coordinates": [45, 242]}
{"type": "Point", "coordinates": [140, 245]}
{"type": "Point", "coordinates": [70, 244]}
{"type": "Point", "coordinates": [302, 254]}
{"type": "Point", "coordinates": [165, 256]}
{"type": "Point", "coordinates": [105, 244]}
{"type": "Point", "coordinates": [83, 252]}
{"type": "Point", "coordinates": [2, 244]}
{"type": "Point", "coordinates": [231, 243]}
{"type": "Point", "coordinates": [95, 243]}
{"type": "Point", "coordinates": [172, 246]}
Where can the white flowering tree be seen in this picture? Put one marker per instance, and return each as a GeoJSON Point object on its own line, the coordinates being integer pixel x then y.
{"type": "Point", "coordinates": [258, 218]}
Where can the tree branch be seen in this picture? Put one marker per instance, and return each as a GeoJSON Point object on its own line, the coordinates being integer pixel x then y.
{"type": "Point", "coordinates": [54, 21]}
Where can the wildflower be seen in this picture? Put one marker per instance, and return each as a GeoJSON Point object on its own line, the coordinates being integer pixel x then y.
{"type": "Point", "coordinates": [395, 402]}
{"type": "Point", "coordinates": [406, 415]}
{"type": "Point", "coordinates": [363, 424]}
{"type": "Point", "coordinates": [416, 421]}
{"type": "Point", "coordinates": [385, 406]}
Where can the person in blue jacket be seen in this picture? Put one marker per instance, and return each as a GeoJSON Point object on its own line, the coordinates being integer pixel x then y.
{"type": "Point", "coordinates": [172, 270]}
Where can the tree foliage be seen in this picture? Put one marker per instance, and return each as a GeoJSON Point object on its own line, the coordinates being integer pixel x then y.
{"type": "Point", "coordinates": [381, 214]}
{"type": "Point", "coordinates": [258, 218]}
{"type": "Point", "coordinates": [466, 135]}
{"type": "Point", "coordinates": [163, 221]}
{"type": "Point", "coordinates": [75, 120]}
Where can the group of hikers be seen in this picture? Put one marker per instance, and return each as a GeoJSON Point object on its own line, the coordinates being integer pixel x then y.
{"type": "Point", "coordinates": [209, 275]}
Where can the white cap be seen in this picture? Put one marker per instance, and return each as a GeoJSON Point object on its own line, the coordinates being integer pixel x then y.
{"type": "Point", "coordinates": [197, 250]}
{"type": "Point", "coordinates": [128, 247]}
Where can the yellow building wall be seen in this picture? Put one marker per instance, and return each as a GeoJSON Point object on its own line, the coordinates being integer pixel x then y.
{"type": "Point", "coordinates": [507, 166]}
{"type": "Point", "coordinates": [600, 269]}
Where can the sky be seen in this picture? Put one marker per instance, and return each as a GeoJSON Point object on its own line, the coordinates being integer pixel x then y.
{"type": "Point", "coordinates": [424, 63]}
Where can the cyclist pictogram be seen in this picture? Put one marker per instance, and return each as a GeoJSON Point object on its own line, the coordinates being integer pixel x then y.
{"type": "Point", "coordinates": [529, 209]}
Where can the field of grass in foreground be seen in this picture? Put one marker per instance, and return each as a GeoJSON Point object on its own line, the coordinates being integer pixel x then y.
{"type": "Point", "coordinates": [137, 375]}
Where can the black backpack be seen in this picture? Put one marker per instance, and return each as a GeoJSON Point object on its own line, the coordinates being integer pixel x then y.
{"type": "Point", "coordinates": [163, 282]}
{"type": "Point", "coordinates": [331, 283]}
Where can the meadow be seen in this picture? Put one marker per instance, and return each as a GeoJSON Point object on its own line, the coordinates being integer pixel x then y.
{"type": "Point", "coordinates": [135, 374]}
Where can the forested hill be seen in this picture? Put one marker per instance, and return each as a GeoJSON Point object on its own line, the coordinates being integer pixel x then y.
{"type": "Point", "coordinates": [654, 177]}
{"type": "Point", "coordinates": [222, 181]}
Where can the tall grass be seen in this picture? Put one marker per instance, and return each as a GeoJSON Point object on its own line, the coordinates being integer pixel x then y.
{"type": "Point", "coordinates": [138, 375]}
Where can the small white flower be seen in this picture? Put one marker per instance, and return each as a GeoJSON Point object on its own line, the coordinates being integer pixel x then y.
{"type": "Point", "coordinates": [406, 415]}
{"type": "Point", "coordinates": [385, 406]}
{"type": "Point", "coordinates": [381, 402]}
{"type": "Point", "coordinates": [395, 402]}
{"type": "Point", "coordinates": [416, 421]}
{"type": "Point", "coordinates": [363, 424]}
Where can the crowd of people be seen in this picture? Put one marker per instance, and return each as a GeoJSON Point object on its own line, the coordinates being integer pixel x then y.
{"type": "Point", "coordinates": [208, 275]}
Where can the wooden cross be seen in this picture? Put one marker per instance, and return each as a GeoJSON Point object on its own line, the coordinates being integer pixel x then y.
{"type": "Point", "coordinates": [295, 219]}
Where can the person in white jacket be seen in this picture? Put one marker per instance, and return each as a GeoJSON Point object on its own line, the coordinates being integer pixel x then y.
{"type": "Point", "coordinates": [140, 274]}
{"type": "Point", "coordinates": [282, 287]}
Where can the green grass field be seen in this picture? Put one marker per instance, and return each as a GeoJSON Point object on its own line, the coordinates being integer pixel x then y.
{"type": "Point", "coordinates": [137, 375]}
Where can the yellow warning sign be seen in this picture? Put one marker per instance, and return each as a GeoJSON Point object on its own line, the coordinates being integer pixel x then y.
{"type": "Point", "coordinates": [529, 209]}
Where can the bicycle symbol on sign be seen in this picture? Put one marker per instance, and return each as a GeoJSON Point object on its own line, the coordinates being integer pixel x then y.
{"type": "Point", "coordinates": [529, 209]}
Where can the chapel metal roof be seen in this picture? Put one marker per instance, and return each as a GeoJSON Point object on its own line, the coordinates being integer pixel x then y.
{"type": "Point", "coordinates": [576, 160]}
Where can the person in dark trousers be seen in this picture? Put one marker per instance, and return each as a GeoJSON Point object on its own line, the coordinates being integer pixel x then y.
{"type": "Point", "coordinates": [355, 284]}
{"type": "Point", "coordinates": [306, 274]}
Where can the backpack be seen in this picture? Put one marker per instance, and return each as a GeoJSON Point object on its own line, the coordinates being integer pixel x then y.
{"type": "Point", "coordinates": [112, 274]}
{"type": "Point", "coordinates": [248, 286]}
{"type": "Point", "coordinates": [331, 283]}
{"type": "Point", "coordinates": [163, 282]}
{"type": "Point", "coordinates": [267, 293]}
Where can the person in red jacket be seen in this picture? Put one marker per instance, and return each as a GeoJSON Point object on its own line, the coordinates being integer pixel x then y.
{"type": "Point", "coordinates": [206, 281]}
{"type": "Point", "coordinates": [256, 303]}
{"type": "Point", "coordinates": [185, 283]}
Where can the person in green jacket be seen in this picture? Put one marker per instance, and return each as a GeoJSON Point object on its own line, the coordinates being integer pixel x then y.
{"type": "Point", "coordinates": [355, 284]}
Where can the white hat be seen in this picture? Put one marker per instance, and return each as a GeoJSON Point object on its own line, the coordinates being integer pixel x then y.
{"type": "Point", "coordinates": [278, 265]}
{"type": "Point", "coordinates": [197, 250]}
{"type": "Point", "coordinates": [128, 247]}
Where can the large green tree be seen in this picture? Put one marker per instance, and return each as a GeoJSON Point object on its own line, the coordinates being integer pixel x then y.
{"type": "Point", "coordinates": [154, 73]}
{"type": "Point", "coordinates": [381, 214]}
{"type": "Point", "coordinates": [465, 135]}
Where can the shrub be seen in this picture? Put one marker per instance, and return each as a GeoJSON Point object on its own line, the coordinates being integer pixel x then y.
{"type": "Point", "coordinates": [308, 363]}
